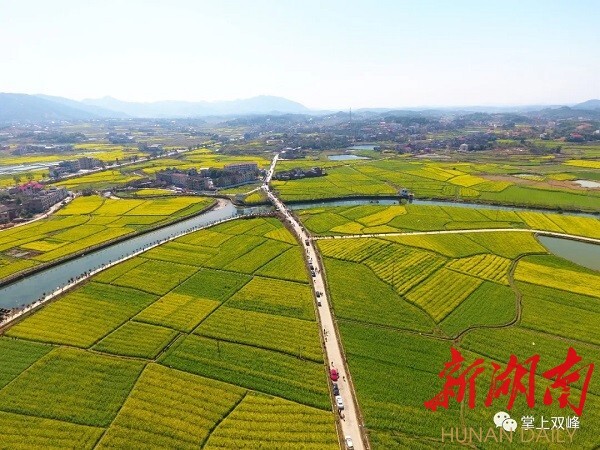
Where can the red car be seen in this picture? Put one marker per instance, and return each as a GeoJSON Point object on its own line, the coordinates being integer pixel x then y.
{"type": "Point", "coordinates": [333, 373]}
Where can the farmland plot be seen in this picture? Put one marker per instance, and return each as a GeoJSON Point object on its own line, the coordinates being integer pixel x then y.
{"type": "Point", "coordinates": [560, 312]}
{"type": "Point", "coordinates": [271, 372]}
{"type": "Point", "coordinates": [136, 339]}
{"type": "Point", "coordinates": [273, 296]}
{"type": "Point", "coordinates": [216, 285]}
{"type": "Point", "coordinates": [83, 316]}
{"type": "Point", "coordinates": [177, 252]}
{"type": "Point", "coordinates": [370, 300]}
{"type": "Point", "coordinates": [257, 257]}
{"type": "Point", "coordinates": [27, 432]}
{"type": "Point", "coordinates": [16, 356]}
{"type": "Point", "coordinates": [189, 408]}
{"type": "Point", "coordinates": [155, 277]}
{"type": "Point", "coordinates": [564, 279]}
{"type": "Point", "coordinates": [287, 266]}
{"type": "Point", "coordinates": [403, 267]}
{"type": "Point", "coordinates": [352, 249]}
{"type": "Point", "coordinates": [285, 334]}
{"type": "Point", "coordinates": [453, 245]}
{"type": "Point", "coordinates": [489, 304]}
{"type": "Point", "coordinates": [488, 267]}
{"type": "Point", "coordinates": [442, 292]}
{"type": "Point", "coordinates": [271, 423]}
{"type": "Point", "coordinates": [72, 385]}
{"type": "Point", "coordinates": [178, 311]}
{"type": "Point", "coordinates": [507, 245]}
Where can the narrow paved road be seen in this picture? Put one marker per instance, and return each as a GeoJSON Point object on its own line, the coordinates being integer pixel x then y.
{"type": "Point", "coordinates": [350, 424]}
{"type": "Point", "coordinates": [476, 230]}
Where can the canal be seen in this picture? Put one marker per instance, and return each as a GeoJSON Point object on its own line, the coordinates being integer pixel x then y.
{"type": "Point", "coordinates": [37, 285]}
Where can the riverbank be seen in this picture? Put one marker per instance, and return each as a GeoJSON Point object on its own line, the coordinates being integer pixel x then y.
{"type": "Point", "coordinates": [85, 275]}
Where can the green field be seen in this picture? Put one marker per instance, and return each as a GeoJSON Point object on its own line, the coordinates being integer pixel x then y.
{"type": "Point", "coordinates": [87, 222]}
{"type": "Point", "coordinates": [136, 339]}
{"type": "Point", "coordinates": [508, 182]}
{"type": "Point", "coordinates": [401, 303]}
{"type": "Point", "coordinates": [83, 316]}
{"type": "Point", "coordinates": [91, 394]}
{"type": "Point", "coordinates": [367, 219]}
{"type": "Point", "coordinates": [176, 354]}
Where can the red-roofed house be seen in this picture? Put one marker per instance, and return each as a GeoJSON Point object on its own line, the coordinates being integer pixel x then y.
{"type": "Point", "coordinates": [30, 188]}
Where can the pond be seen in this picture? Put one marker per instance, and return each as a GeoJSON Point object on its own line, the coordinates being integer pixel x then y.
{"type": "Point", "coordinates": [587, 183]}
{"type": "Point", "coordinates": [345, 157]}
{"type": "Point", "coordinates": [582, 253]}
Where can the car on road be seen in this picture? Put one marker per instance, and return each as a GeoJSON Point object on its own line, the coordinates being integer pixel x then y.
{"type": "Point", "coordinates": [339, 402]}
{"type": "Point", "coordinates": [349, 443]}
{"type": "Point", "coordinates": [318, 294]}
{"type": "Point", "coordinates": [311, 267]}
{"type": "Point", "coordinates": [335, 388]}
{"type": "Point", "coordinates": [334, 375]}
{"type": "Point", "coordinates": [306, 242]}
{"type": "Point", "coordinates": [313, 274]}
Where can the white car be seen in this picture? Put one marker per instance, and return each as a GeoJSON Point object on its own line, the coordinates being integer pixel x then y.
{"type": "Point", "coordinates": [349, 443]}
{"type": "Point", "coordinates": [339, 402]}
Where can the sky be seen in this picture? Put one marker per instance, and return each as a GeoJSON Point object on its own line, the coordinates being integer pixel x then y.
{"type": "Point", "coordinates": [325, 54]}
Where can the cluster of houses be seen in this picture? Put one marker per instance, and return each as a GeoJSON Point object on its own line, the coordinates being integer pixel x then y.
{"type": "Point", "coordinates": [67, 167]}
{"type": "Point", "coordinates": [293, 153]}
{"type": "Point", "coordinates": [297, 173]}
{"type": "Point", "coordinates": [28, 199]}
{"type": "Point", "coordinates": [210, 178]}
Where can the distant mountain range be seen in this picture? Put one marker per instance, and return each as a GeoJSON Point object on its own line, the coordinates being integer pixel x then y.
{"type": "Point", "coordinates": [589, 105]}
{"type": "Point", "coordinates": [42, 108]}
{"type": "Point", "coordinates": [39, 108]}
{"type": "Point", "coordinates": [256, 105]}
{"type": "Point", "coordinates": [29, 108]}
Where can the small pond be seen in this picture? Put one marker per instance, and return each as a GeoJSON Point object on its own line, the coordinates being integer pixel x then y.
{"type": "Point", "coordinates": [587, 183]}
{"type": "Point", "coordinates": [582, 253]}
{"type": "Point", "coordinates": [345, 157]}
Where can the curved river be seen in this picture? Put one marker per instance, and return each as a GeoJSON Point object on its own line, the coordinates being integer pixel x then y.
{"type": "Point", "coordinates": [30, 289]}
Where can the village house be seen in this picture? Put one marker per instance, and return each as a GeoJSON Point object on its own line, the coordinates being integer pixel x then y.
{"type": "Point", "coordinates": [210, 178]}
{"type": "Point", "coordinates": [66, 167]}
{"type": "Point", "coordinates": [29, 198]}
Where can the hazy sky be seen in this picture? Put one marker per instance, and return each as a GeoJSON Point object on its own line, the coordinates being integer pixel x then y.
{"type": "Point", "coordinates": [324, 54]}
